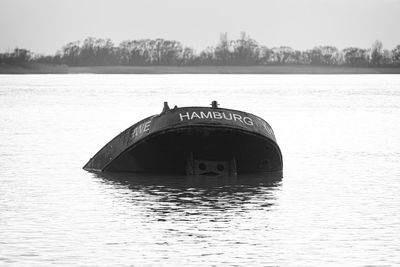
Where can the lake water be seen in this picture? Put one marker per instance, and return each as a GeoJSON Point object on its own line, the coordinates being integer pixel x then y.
{"type": "Point", "coordinates": [337, 204]}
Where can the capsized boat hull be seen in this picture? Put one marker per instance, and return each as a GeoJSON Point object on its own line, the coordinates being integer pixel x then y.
{"type": "Point", "coordinates": [192, 140]}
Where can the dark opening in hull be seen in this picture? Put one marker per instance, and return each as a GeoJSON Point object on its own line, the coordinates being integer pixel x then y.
{"type": "Point", "coordinates": [168, 152]}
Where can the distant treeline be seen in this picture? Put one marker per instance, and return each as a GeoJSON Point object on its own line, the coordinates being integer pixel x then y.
{"type": "Point", "coordinates": [244, 51]}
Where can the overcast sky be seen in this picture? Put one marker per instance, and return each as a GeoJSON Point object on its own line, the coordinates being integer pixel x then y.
{"type": "Point", "coordinates": [44, 26]}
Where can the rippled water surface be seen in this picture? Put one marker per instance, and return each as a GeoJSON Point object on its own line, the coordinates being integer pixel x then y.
{"type": "Point", "coordinates": [338, 202]}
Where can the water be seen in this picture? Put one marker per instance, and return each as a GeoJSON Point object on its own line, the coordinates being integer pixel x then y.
{"type": "Point", "coordinates": [337, 204]}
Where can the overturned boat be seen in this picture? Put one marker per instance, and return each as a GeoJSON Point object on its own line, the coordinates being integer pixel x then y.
{"type": "Point", "coordinates": [209, 141]}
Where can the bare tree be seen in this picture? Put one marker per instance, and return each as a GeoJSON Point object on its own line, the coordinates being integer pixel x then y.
{"type": "Point", "coordinates": [223, 51]}
{"type": "Point", "coordinates": [283, 54]}
{"type": "Point", "coordinates": [396, 55]}
{"type": "Point", "coordinates": [356, 56]}
{"type": "Point", "coordinates": [245, 50]}
{"type": "Point", "coordinates": [376, 53]}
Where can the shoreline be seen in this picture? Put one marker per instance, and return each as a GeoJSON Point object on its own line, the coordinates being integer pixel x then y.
{"type": "Point", "coordinates": [62, 69]}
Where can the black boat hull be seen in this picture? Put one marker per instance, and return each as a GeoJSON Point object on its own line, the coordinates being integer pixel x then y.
{"type": "Point", "coordinates": [165, 143]}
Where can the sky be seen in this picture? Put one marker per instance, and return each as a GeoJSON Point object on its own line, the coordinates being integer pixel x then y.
{"type": "Point", "coordinates": [45, 26]}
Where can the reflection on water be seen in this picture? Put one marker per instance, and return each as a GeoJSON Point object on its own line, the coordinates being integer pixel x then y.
{"type": "Point", "coordinates": [262, 179]}
{"type": "Point", "coordinates": [188, 193]}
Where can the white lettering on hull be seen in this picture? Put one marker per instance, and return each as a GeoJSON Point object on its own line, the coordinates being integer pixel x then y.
{"type": "Point", "coordinates": [216, 115]}
{"type": "Point", "coordinates": [141, 129]}
{"type": "Point", "coordinates": [266, 127]}
{"type": "Point", "coordinates": [204, 116]}
{"type": "Point", "coordinates": [184, 116]}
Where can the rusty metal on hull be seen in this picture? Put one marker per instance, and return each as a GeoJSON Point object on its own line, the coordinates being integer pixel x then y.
{"type": "Point", "coordinates": [163, 143]}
